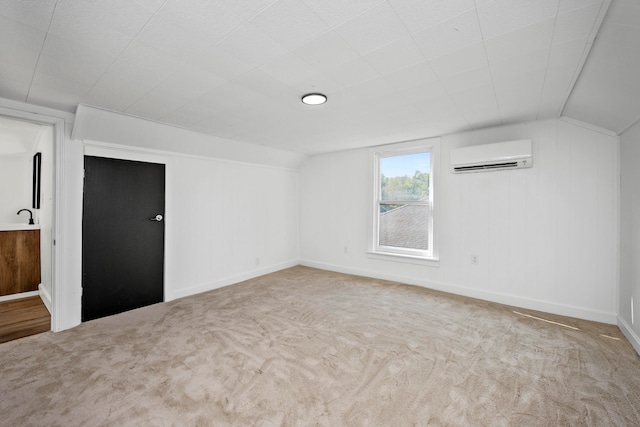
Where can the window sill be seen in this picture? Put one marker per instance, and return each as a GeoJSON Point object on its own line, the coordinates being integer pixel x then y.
{"type": "Point", "coordinates": [411, 259]}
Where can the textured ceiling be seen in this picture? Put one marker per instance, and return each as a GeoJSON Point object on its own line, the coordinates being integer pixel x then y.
{"type": "Point", "coordinates": [393, 69]}
{"type": "Point", "coordinates": [608, 91]}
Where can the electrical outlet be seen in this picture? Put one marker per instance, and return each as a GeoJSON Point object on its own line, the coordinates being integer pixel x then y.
{"type": "Point", "coordinates": [346, 249]}
{"type": "Point", "coordinates": [257, 261]}
{"type": "Point", "coordinates": [475, 259]}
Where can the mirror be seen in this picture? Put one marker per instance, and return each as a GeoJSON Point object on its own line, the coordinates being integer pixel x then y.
{"type": "Point", "coordinates": [37, 169]}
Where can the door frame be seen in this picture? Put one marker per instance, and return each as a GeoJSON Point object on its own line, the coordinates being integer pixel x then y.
{"type": "Point", "coordinates": [113, 151]}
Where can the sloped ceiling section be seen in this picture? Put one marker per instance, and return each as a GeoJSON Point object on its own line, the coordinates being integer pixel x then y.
{"type": "Point", "coordinates": [393, 70]}
{"type": "Point", "coordinates": [18, 137]}
{"type": "Point", "coordinates": [607, 94]}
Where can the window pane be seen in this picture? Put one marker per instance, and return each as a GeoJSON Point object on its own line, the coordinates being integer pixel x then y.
{"type": "Point", "coordinates": [405, 177]}
{"type": "Point", "coordinates": [404, 226]}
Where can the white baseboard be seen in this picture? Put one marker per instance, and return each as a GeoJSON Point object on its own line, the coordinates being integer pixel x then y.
{"type": "Point", "coordinates": [228, 281]}
{"type": "Point", "coordinates": [512, 300]}
{"type": "Point", "coordinates": [631, 335]}
{"type": "Point", "coordinates": [45, 297]}
{"type": "Point", "coordinates": [18, 296]}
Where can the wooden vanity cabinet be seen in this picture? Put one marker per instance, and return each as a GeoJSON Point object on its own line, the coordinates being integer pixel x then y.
{"type": "Point", "coordinates": [19, 261]}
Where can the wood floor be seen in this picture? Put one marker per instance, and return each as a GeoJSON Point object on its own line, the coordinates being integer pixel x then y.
{"type": "Point", "coordinates": [23, 317]}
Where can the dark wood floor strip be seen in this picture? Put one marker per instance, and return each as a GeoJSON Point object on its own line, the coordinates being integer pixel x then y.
{"type": "Point", "coordinates": [23, 317]}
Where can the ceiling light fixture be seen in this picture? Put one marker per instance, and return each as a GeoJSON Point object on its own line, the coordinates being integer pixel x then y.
{"type": "Point", "coordinates": [314, 99]}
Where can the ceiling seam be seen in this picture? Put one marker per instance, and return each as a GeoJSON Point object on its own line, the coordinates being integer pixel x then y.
{"type": "Point", "coordinates": [410, 33]}
{"type": "Point", "coordinates": [44, 41]}
{"type": "Point", "coordinates": [635, 122]}
{"type": "Point", "coordinates": [484, 48]}
{"type": "Point", "coordinates": [546, 65]}
{"type": "Point", "coordinates": [115, 58]}
{"type": "Point", "coordinates": [413, 105]}
{"type": "Point", "coordinates": [341, 87]}
{"type": "Point", "coordinates": [604, 8]}
{"type": "Point", "coordinates": [155, 13]}
{"type": "Point", "coordinates": [217, 42]}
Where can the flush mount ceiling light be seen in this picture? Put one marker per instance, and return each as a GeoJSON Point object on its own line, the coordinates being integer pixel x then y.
{"type": "Point", "coordinates": [314, 99]}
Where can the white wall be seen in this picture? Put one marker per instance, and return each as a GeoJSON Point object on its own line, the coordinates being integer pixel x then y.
{"type": "Point", "coordinates": [546, 236]}
{"type": "Point", "coordinates": [15, 187]}
{"type": "Point", "coordinates": [228, 222]}
{"type": "Point", "coordinates": [630, 235]}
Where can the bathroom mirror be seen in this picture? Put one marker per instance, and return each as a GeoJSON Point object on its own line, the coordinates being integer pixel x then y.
{"type": "Point", "coordinates": [37, 169]}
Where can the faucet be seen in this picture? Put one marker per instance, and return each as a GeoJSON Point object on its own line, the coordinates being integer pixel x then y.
{"type": "Point", "coordinates": [30, 215]}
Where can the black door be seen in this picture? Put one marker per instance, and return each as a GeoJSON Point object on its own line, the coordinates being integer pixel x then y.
{"type": "Point", "coordinates": [122, 236]}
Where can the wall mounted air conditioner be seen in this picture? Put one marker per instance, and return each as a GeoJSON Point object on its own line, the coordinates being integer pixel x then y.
{"type": "Point", "coordinates": [489, 157]}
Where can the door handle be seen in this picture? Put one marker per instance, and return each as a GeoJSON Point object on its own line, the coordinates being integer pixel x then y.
{"type": "Point", "coordinates": [156, 218]}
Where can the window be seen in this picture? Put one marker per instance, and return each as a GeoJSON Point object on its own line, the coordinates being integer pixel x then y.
{"type": "Point", "coordinates": [403, 219]}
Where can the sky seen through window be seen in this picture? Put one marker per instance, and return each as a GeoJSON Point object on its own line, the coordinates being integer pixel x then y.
{"type": "Point", "coordinates": [405, 165]}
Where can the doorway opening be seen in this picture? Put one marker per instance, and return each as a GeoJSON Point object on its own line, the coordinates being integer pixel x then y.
{"type": "Point", "coordinates": [27, 187]}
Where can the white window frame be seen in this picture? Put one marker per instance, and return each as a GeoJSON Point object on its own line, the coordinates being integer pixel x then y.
{"type": "Point", "coordinates": [416, 256]}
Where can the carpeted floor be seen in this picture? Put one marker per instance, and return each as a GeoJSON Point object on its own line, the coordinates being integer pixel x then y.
{"type": "Point", "coordinates": [305, 347]}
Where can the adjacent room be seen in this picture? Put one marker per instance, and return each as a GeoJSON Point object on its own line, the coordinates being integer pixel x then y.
{"type": "Point", "coordinates": [322, 213]}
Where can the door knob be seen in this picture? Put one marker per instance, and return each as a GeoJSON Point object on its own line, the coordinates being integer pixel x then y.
{"type": "Point", "coordinates": [156, 218]}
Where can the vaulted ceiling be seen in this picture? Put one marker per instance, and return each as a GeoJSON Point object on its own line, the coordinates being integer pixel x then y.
{"type": "Point", "coordinates": [393, 70]}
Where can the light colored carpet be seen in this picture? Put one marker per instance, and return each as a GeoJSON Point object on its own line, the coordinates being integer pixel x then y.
{"type": "Point", "coordinates": [305, 347]}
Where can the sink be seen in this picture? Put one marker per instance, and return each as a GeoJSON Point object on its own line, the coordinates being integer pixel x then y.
{"type": "Point", "coordinates": [18, 226]}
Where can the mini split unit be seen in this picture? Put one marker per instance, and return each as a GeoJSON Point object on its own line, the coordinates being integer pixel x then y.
{"type": "Point", "coordinates": [491, 157]}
